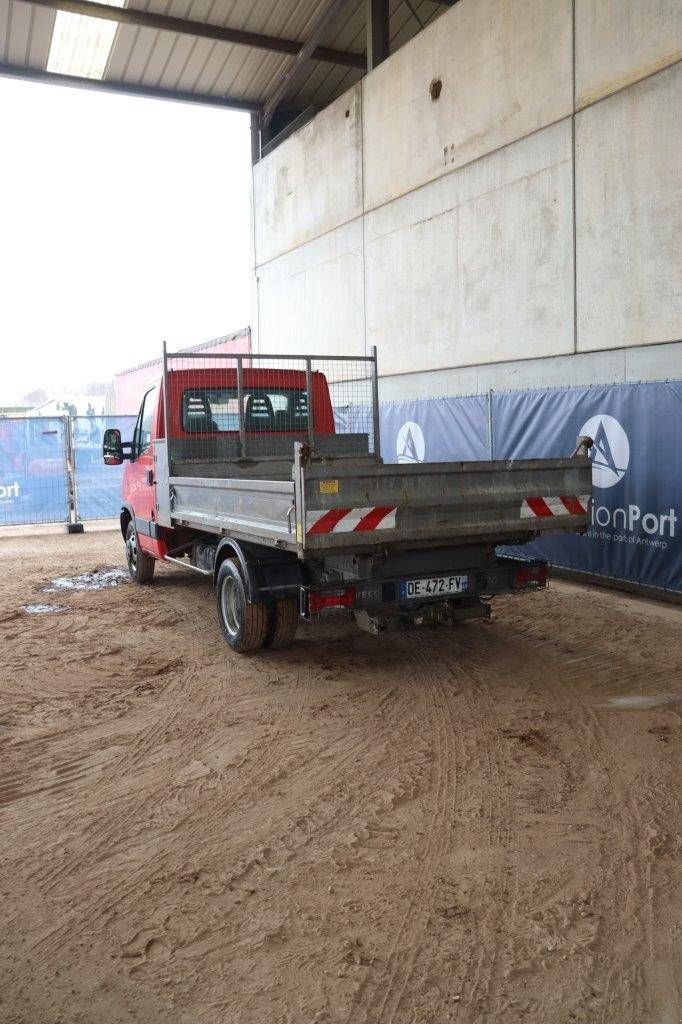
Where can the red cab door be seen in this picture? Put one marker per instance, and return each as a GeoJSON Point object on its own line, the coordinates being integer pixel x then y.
{"type": "Point", "coordinates": [140, 483]}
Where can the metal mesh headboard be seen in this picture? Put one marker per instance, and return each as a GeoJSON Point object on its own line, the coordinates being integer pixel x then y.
{"type": "Point", "coordinates": [226, 412]}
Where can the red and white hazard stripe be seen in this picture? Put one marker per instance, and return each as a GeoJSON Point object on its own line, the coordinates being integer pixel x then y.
{"type": "Point", "coordinates": [351, 520]}
{"type": "Point", "coordinates": [559, 505]}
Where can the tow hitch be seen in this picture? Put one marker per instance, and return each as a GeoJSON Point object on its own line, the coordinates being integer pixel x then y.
{"type": "Point", "coordinates": [432, 614]}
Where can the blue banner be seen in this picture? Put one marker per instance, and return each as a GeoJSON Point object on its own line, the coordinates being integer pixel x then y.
{"type": "Point", "coordinates": [435, 430]}
{"type": "Point", "coordinates": [635, 530]}
{"type": "Point", "coordinates": [33, 471]}
{"type": "Point", "coordinates": [635, 527]}
{"type": "Point", "coordinates": [98, 487]}
{"type": "Point", "coordinates": [354, 419]}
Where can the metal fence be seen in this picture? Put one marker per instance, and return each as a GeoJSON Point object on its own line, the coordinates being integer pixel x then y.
{"type": "Point", "coordinates": [51, 469]}
{"type": "Point", "coordinates": [97, 488]}
{"type": "Point", "coordinates": [34, 478]}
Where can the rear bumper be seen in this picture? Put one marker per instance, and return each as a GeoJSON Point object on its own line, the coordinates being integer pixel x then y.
{"type": "Point", "coordinates": [503, 576]}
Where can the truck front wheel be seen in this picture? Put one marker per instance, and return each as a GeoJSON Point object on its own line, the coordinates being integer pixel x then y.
{"type": "Point", "coordinates": [244, 623]}
{"type": "Point", "coordinates": [140, 565]}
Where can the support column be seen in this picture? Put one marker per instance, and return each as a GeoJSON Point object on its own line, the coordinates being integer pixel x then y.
{"type": "Point", "coordinates": [377, 32]}
{"type": "Point", "coordinates": [255, 138]}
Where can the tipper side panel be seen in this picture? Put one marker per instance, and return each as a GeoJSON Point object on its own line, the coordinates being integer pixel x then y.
{"type": "Point", "coordinates": [349, 506]}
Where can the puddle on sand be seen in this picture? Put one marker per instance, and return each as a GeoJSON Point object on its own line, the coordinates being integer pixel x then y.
{"type": "Point", "coordinates": [98, 579]}
{"type": "Point", "coordinates": [639, 703]}
{"type": "Point", "coordinates": [42, 609]}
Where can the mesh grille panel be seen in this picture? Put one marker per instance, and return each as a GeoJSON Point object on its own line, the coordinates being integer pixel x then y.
{"type": "Point", "coordinates": [230, 411]}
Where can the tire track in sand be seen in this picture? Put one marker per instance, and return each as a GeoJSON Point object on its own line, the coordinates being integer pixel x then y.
{"type": "Point", "coordinates": [265, 770]}
{"type": "Point", "coordinates": [382, 993]}
{"type": "Point", "coordinates": [624, 809]}
{"type": "Point", "coordinates": [478, 982]}
{"type": "Point", "coordinates": [101, 831]}
{"type": "Point", "coordinates": [208, 829]}
{"type": "Point", "coordinates": [553, 683]}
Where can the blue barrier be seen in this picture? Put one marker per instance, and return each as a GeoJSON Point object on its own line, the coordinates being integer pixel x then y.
{"type": "Point", "coordinates": [435, 430]}
{"type": "Point", "coordinates": [33, 471]}
{"type": "Point", "coordinates": [354, 419]}
{"type": "Point", "coordinates": [97, 487]}
{"type": "Point", "coordinates": [635, 532]}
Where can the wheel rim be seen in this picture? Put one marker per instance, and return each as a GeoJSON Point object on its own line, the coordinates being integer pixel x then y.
{"type": "Point", "coordinates": [230, 605]}
{"type": "Point", "coordinates": [131, 553]}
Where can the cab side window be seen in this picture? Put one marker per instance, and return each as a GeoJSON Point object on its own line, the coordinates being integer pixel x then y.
{"type": "Point", "coordinates": [148, 411]}
{"type": "Point", "coordinates": [143, 427]}
{"type": "Point", "coordinates": [136, 434]}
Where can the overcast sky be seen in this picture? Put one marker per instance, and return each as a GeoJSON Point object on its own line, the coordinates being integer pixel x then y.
{"type": "Point", "coordinates": [124, 221]}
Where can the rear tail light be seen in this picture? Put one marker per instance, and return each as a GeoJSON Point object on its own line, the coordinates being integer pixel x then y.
{"type": "Point", "coordinates": [531, 577]}
{"type": "Point", "coordinates": [331, 599]}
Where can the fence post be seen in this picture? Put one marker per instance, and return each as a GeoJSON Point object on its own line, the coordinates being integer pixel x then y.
{"type": "Point", "coordinates": [240, 407]}
{"type": "Point", "coordinates": [375, 404]}
{"type": "Point", "coordinates": [491, 439]}
{"type": "Point", "coordinates": [310, 402]}
{"type": "Point", "coordinates": [164, 385]}
{"type": "Point", "coordinates": [73, 525]}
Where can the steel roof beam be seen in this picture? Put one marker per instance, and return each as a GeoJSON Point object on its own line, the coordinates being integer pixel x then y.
{"type": "Point", "coordinates": [202, 29]}
{"type": "Point", "coordinates": [378, 32]}
{"type": "Point", "coordinates": [305, 53]}
{"type": "Point", "coordinates": [127, 88]}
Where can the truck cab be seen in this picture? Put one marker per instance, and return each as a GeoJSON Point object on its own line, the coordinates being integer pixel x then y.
{"type": "Point", "coordinates": [203, 410]}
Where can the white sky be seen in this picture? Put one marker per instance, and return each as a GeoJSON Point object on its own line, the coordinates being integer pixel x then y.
{"type": "Point", "coordinates": [124, 221]}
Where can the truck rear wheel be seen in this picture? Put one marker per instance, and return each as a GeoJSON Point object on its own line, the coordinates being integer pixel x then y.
{"type": "Point", "coordinates": [283, 622]}
{"type": "Point", "coordinates": [140, 564]}
{"type": "Point", "coordinates": [244, 623]}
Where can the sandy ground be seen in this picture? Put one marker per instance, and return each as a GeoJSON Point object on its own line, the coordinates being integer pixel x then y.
{"type": "Point", "coordinates": [474, 824]}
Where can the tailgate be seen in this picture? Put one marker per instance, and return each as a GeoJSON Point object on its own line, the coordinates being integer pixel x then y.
{"type": "Point", "coordinates": [345, 504]}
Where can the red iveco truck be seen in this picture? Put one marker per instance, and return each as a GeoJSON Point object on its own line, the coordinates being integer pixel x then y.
{"type": "Point", "coordinates": [247, 469]}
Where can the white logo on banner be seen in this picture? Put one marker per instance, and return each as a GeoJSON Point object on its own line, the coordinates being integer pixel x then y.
{"type": "Point", "coordinates": [410, 445]}
{"type": "Point", "coordinates": [9, 491]}
{"type": "Point", "coordinates": [610, 453]}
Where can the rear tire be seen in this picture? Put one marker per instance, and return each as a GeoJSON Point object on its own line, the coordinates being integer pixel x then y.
{"type": "Point", "coordinates": [244, 623]}
{"type": "Point", "coordinates": [140, 564]}
{"type": "Point", "coordinates": [284, 617]}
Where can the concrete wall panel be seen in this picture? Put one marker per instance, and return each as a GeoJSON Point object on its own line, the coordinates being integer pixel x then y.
{"type": "Point", "coordinates": [629, 216]}
{"type": "Point", "coordinates": [619, 42]}
{"type": "Point", "coordinates": [311, 299]}
{"type": "Point", "coordinates": [616, 366]}
{"type": "Point", "coordinates": [505, 67]}
{"type": "Point", "coordinates": [464, 255]}
{"type": "Point", "coordinates": [312, 182]}
{"type": "Point", "coordinates": [476, 267]}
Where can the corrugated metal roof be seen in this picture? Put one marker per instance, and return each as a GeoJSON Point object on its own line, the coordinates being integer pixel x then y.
{"type": "Point", "coordinates": [25, 34]}
{"type": "Point", "coordinates": [155, 58]}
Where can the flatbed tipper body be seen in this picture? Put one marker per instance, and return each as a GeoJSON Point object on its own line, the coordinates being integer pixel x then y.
{"type": "Point", "coordinates": [336, 505]}
{"type": "Point", "coordinates": [275, 470]}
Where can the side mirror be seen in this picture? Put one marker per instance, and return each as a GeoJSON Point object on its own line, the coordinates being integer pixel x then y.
{"type": "Point", "coordinates": [112, 447]}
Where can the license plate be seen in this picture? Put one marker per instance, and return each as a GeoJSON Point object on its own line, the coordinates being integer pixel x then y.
{"type": "Point", "coordinates": [434, 586]}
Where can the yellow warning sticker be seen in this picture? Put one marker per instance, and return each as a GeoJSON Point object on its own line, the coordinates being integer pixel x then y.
{"type": "Point", "coordinates": [299, 533]}
{"type": "Point", "coordinates": [329, 486]}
